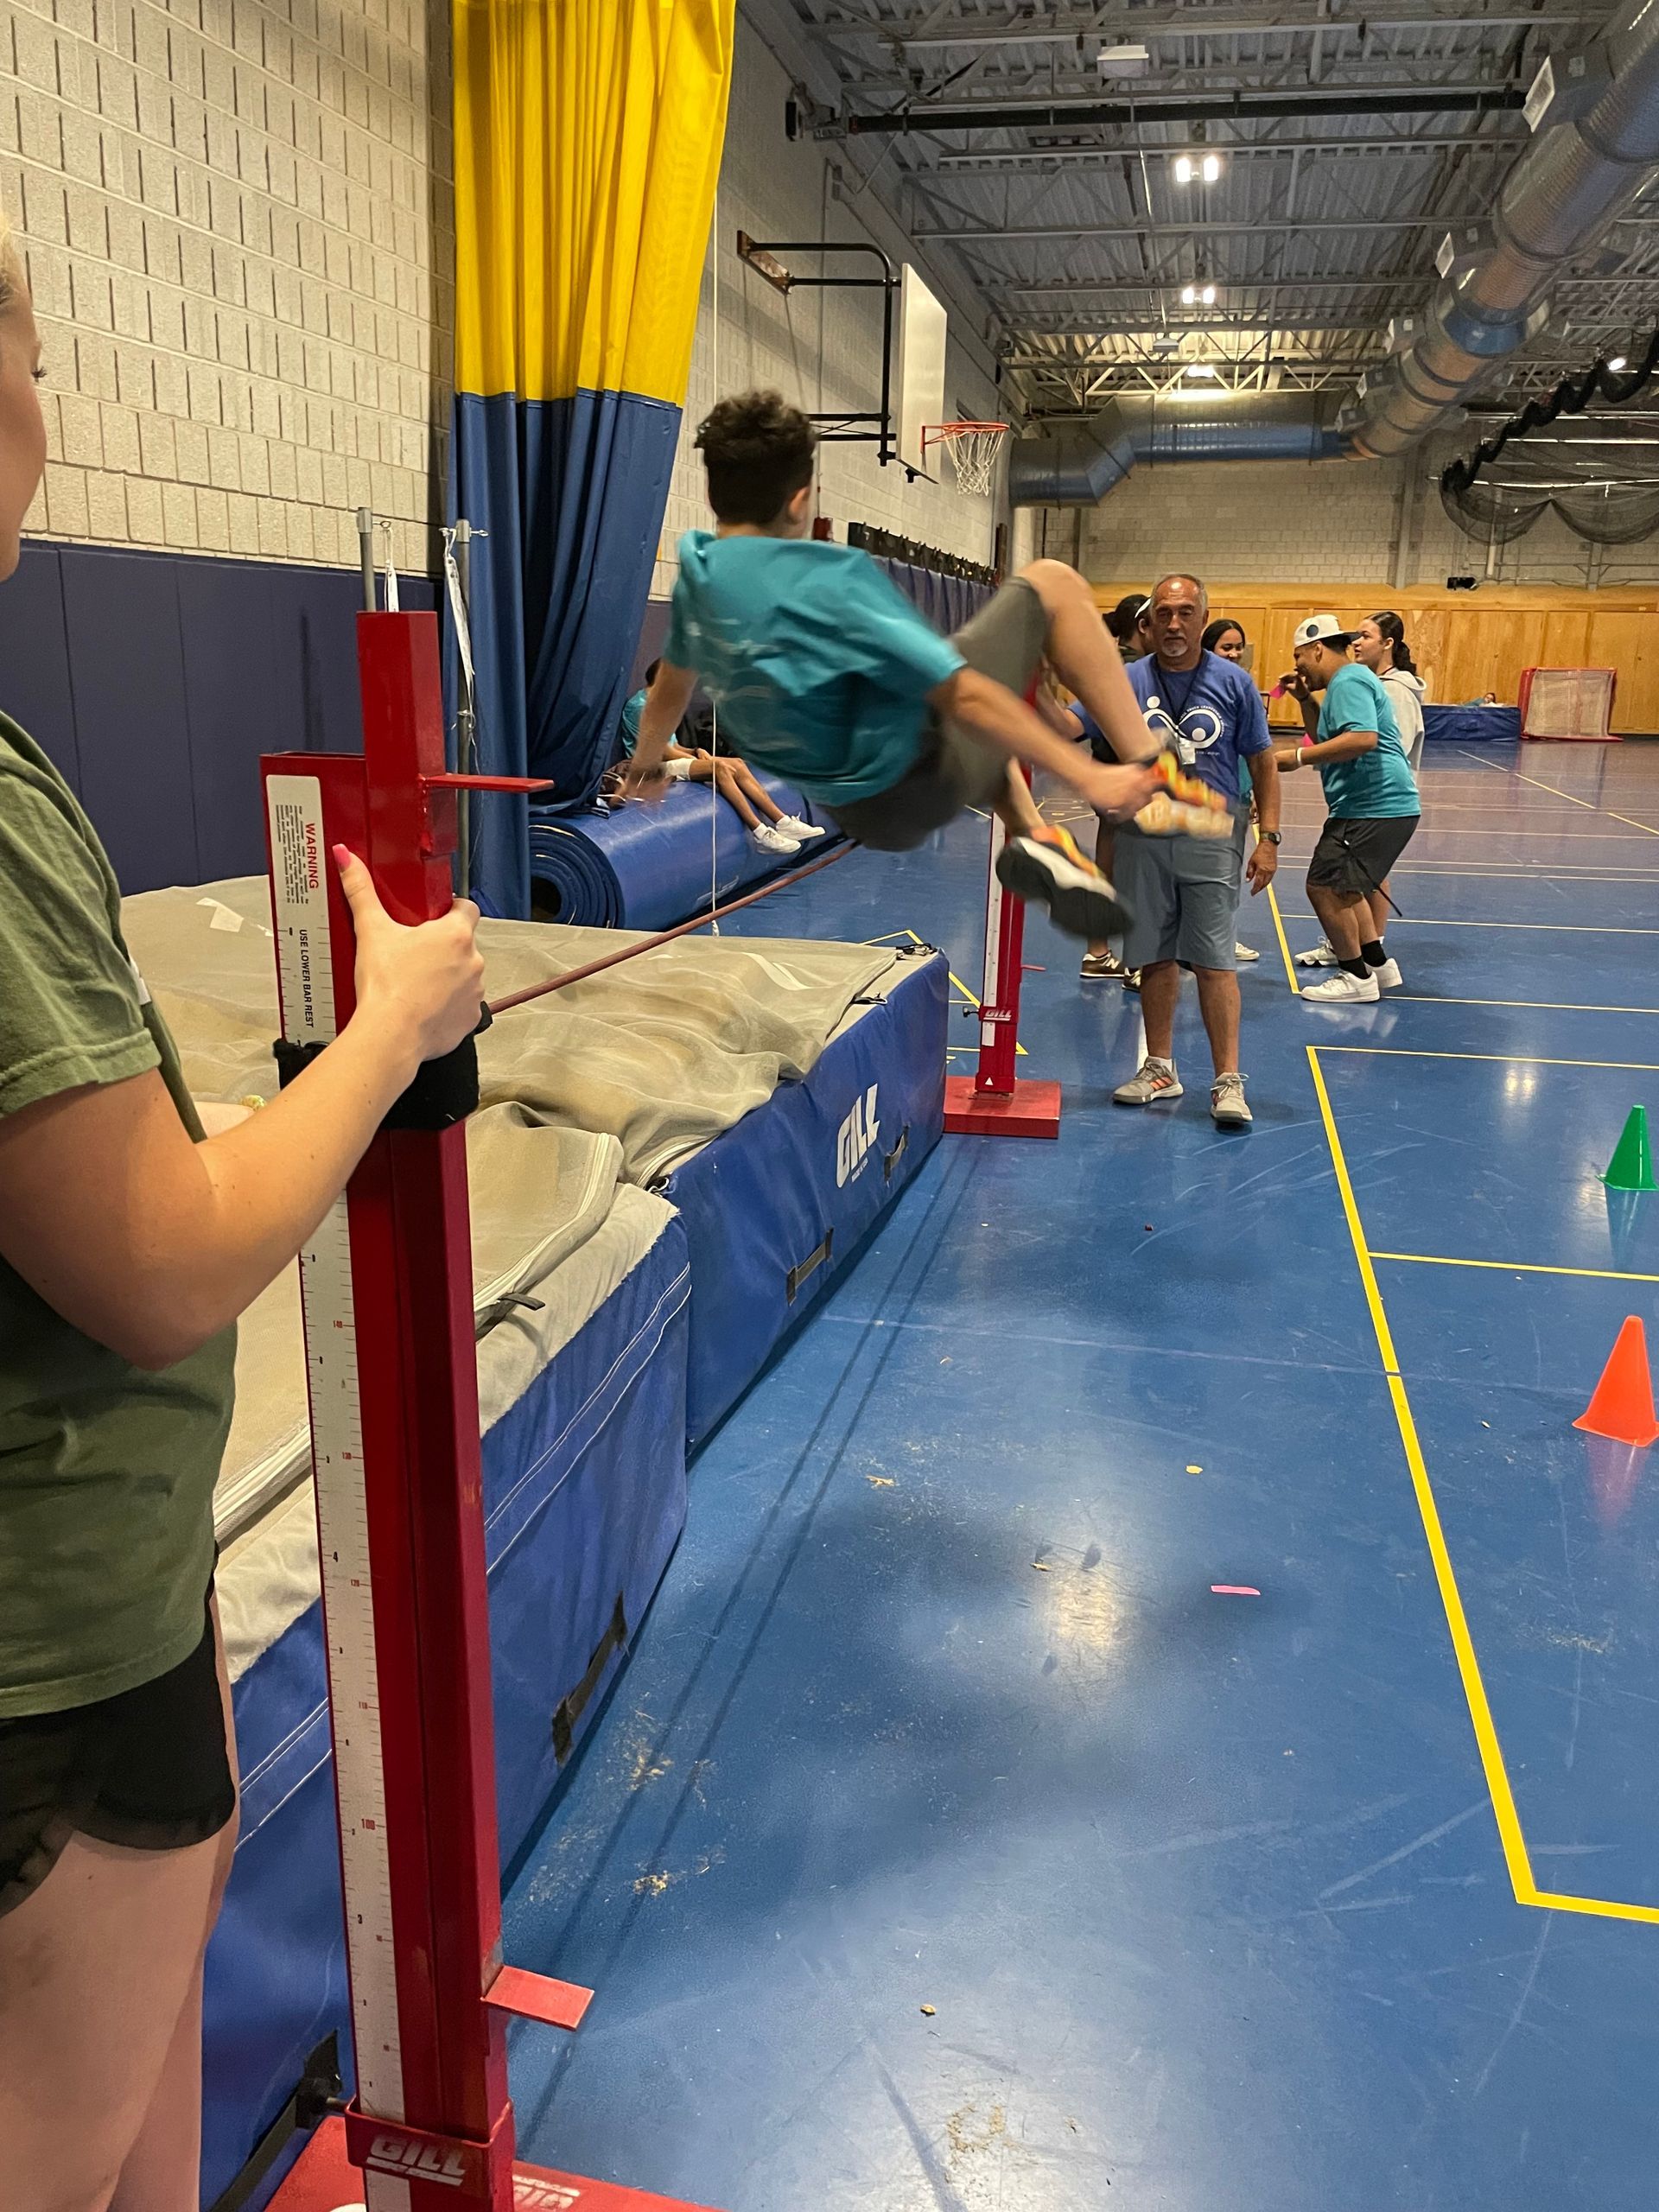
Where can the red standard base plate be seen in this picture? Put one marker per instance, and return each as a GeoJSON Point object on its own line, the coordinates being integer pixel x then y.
{"type": "Point", "coordinates": [325, 2179]}
{"type": "Point", "coordinates": [1031, 1109]}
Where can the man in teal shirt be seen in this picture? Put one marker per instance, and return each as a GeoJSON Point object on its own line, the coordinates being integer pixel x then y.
{"type": "Point", "coordinates": [1371, 795]}
{"type": "Point", "coordinates": [824, 673]}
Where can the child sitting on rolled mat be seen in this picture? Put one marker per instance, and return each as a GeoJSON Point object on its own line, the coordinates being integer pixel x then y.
{"type": "Point", "coordinates": [823, 672]}
{"type": "Point", "coordinates": [772, 829]}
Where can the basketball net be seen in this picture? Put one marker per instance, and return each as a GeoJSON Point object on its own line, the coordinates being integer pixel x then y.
{"type": "Point", "coordinates": [972, 448]}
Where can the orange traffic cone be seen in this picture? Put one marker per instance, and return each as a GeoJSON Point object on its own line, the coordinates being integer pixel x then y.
{"type": "Point", "coordinates": [1622, 1406]}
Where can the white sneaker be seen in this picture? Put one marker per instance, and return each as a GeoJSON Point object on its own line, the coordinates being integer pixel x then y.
{"type": "Point", "coordinates": [1245, 952]}
{"type": "Point", "coordinates": [1229, 1107]}
{"type": "Point", "coordinates": [1155, 1079]}
{"type": "Point", "coordinates": [792, 826]}
{"type": "Point", "coordinates": [1322, 956]}
{"type": "Point", "coordinates": [1389, 977]}
{"type": "Point", "coordinates": [1344, 989]}
{"type": "Point", "coordinates": [773, 841]}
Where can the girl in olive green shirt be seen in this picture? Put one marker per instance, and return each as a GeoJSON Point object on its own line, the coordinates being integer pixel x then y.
{"type": "Point", "coordinates": [129, 1243]}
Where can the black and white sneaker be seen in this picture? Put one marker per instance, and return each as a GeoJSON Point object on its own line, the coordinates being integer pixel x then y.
{"type": "Point", "coordinates": [1050, 869]}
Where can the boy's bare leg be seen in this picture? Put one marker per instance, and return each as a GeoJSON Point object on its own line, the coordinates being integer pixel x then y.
{"type": "Point", "coordinates": [1081, 648]}
{"type": "Point", "coordinates": [756, 792]}
{"type": "Point", "coordinates": [1378, 903]}
{"type": "Point", "coordinates": [707, 769]}
{"type": "Point", "coordinates": [1343, 914]}
{"type": "Point", "coordinates": [1017, 809]}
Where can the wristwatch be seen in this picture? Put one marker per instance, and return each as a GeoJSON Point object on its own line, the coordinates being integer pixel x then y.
{"type": "Point", "coordinates": [1272, 837]}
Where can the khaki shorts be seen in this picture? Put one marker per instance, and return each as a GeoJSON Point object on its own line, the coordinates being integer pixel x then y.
{"type": "Point", "coordinates": [955, 770]}
{"type": "Point", "coordinates": [1184, 894]}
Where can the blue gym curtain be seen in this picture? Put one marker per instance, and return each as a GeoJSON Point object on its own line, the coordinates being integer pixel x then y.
{"type": "Point", "coordinates": [587, 144]}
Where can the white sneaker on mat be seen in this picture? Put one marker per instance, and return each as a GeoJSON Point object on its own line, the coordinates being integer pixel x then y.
{"type": "Point", "coordinates": [773, 841]}
{"type": "Point", "coordinates": [1389, 977]}
{"type": "Point", "coordinates": [792, 826]}
{"type": "Point", "coordinates": [1321, 955]}
{"type": "Point", "coordinates": [1244, 953]}
{"type": "Point", "coordinates": [1344, 989]}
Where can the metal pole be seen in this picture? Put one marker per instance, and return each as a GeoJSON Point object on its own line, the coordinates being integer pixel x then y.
{"type": "Point", "coordinates": [365, 547]}
{"type": "Point", "coordinates": [466, 715]}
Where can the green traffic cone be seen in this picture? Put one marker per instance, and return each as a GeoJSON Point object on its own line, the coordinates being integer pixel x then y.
{"type": "Point", "coordinates": [1632, 1165]}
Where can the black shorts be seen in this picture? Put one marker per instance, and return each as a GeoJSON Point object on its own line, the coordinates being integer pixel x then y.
{"type": "Point", "coordinates": [149, 1770]}
{"type": "Point", "coordinates": [1354, 856]}
{"type": "Point", "coordinates": [955, 769]}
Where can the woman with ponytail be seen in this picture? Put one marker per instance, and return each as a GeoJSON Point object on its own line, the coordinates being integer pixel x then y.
{"type": "Point", "coordinates": [1380, 644]}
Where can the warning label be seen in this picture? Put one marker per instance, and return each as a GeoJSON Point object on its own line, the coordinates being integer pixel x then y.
{"type": "Point", "coordinates": [300, 897]}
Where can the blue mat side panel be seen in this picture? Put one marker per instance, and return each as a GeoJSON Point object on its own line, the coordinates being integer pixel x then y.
{"type": "Point", "coordinates": [758, 1201]}
{"type": "Point", "coordinates": [1472, 725]}
{"type": "Point", "coordinates": [646, 867]}
{"type": "Point", "coordinates": [584, 1484]}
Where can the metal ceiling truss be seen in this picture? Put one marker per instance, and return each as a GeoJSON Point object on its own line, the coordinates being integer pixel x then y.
{"type": "Point", "coordinates": [1351, 139]}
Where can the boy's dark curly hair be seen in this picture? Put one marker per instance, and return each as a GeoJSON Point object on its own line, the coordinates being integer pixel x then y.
{"type": "Point", "coordinates": [759, 452]}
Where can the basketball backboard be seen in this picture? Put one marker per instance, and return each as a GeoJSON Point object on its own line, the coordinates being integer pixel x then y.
{"type": "Point", "coordinates": [919, 369]}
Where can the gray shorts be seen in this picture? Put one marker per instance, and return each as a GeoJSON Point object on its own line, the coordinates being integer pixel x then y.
{"type": "Point", "coordinates": [955, 769]}
{"type": "Point", "coordinates": [1184, 894]}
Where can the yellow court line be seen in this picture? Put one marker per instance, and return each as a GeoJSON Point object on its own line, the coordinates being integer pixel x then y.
{"type": "Point", "coordinates": [1514, 1267]}
{"type": "Point", "coordinates": [1018, 1049]}
{"type": "Point", "coordinates": [1279, 931]}
{"type": "Point", "coordinates": [1474, 1690]}
{"type": "Point", "coordinates": [1523, 1059]}
{"type": "Point", "coordinates": [1504, 1809]}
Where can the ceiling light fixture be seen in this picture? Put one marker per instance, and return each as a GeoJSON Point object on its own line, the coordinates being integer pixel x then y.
{"type": "Point", "coordinates": [1183, 168]}
{"type": "Point", "coordinates": [1204, 369]}
{"type": "Point", "coordinates": [1211, 168]}
{"type": "Point", "coordinates": [1619, 362]}
{"type": "Point", "coordinates": [1189, 295]}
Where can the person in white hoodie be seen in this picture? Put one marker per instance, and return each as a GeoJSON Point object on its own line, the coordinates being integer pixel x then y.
{"type": "Point", "coordinates": [1380, 644]}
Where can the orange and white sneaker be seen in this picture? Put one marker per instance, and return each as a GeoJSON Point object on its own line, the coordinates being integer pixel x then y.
{"type": "Point", "coordinates": [1152, 1080]}
{"type": "Point", "coordinates": [1164, 817]}
{"type": "Point", "coordinates": [1048, 868]}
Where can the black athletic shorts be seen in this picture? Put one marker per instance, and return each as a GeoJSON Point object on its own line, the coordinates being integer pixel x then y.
{"type": "Point", "coordinates": [148, 1769]}
{"type": "Point", "coordinates": [1354, 856]}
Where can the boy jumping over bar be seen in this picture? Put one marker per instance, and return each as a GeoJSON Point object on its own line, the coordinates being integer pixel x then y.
{"type": "Point", "coordinates": [823, 672]}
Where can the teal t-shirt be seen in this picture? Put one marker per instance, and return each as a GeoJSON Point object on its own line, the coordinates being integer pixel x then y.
{"type": "Point", "coordinates": [631, 714]}
{"type": "Point", "coordinates": [819, 667]}
{"type": "Point", "coordinates": [1379, 784]}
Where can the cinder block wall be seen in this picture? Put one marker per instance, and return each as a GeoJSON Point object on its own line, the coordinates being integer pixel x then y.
{"type": "Point", "coordinates": [238, 223]}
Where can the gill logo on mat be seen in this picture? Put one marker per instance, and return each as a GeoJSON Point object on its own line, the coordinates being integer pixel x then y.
{"type": "Point", "coordinates": [856, 1138]}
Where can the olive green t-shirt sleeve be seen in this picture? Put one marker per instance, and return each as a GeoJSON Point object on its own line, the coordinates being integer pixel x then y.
{"type": "Point", "coordinates": [70, 1011]}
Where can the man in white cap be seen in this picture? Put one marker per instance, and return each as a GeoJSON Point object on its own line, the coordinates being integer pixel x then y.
{"type": "Point", "coordinates": [1372, 799]}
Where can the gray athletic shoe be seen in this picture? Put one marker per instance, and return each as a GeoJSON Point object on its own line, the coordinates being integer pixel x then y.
{"type": "Point", "coordinates": [1229, 1107]}
{"type": "Point", "coordinates": [1155, 1079]}
{"type": "Point", "coordinates": [1323, 955]}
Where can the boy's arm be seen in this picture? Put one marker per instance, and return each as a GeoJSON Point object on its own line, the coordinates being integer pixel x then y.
{"type": "Point", "coordinates": [992, 712]}
{"type": "Point", "coordinates": [663, 711]}
{"type": "Point", "coordinates": [1347, 747]}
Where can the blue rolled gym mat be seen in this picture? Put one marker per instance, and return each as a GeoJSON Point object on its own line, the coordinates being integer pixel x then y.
{"type": "Point", "coordinates": [647, 867]}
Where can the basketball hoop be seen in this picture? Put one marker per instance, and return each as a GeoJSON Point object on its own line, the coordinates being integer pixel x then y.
{"type": "Point", "coordinates": [972, 448]}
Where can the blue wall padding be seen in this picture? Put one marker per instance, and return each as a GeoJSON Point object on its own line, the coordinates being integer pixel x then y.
{"type": "Point", "coordinates": [759, 1203]}
{"type": "Point", "coordinates": [584, 1490]}
{"type": "Point", "coordinates": [569, 492]}
{"type": "Point", "coordinates": [646, 867]}
{"type": "Point", "coordinates": [155, 681]}
{"type": "Point", "coordinates": [1472, 725]}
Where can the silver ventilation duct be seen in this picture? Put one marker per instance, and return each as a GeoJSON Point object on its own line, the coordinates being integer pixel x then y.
{"type": "Point", "coordinates": [1077, 464]}
{"type": "Point", "coordinates": [1596, 119]}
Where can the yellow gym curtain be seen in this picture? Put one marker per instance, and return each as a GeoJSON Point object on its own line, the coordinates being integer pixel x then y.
{"type": "Point", "coordinates": [587, 143]}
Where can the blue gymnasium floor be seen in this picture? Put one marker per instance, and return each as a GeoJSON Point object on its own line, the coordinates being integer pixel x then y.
{"type": "Point", "coordinates": [1209, 1895]}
